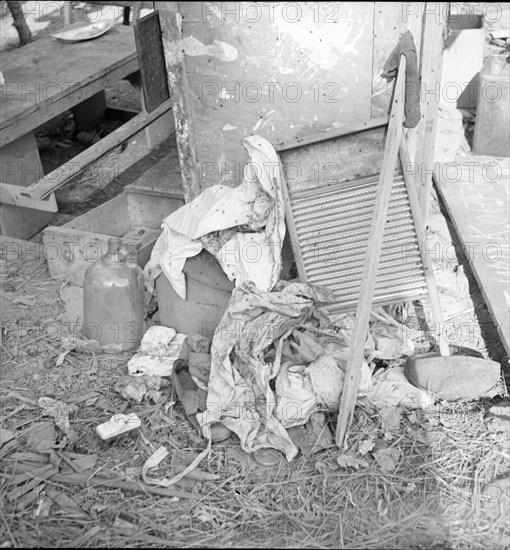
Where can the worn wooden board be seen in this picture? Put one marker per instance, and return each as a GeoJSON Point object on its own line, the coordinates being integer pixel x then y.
{"type": "Point", "coordinates": [336, 160]}
{"type": "Point", "coordinates": [477, 198]}
{"type": "Point", "coordinates": [37, 88]}
{"type": "Point", "coordinates": [297, 70]}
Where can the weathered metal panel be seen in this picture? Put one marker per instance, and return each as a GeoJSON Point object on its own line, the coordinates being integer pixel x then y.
{"type": "Point", "coordinates": [332, 225]}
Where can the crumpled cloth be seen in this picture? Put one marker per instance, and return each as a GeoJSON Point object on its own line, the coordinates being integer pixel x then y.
{"type": "Point", "coordinates": [256, 205]}
{"type": "Point", "coordinates": [159, 349]}
{"type": "Point", "coordinates": [406, 47]}
{"type": "Point", "coordinates": [391, 388]}
{"type": "Point", "coordinates": [239, 393]}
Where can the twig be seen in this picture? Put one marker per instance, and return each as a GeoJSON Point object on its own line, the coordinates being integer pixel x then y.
{"type": "Point", "coordinates": [84, 481]}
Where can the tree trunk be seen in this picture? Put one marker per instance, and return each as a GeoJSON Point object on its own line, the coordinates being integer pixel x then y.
{"type": "Point", "coordinates": [25, 36]}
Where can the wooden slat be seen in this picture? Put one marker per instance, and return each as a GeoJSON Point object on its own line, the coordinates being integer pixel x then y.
{"type": "Point", "coordinates": [345, 158]}
{"type": "Point", "coordinates": [360, 328]}
{"type": "Point", "coordinates": [421, 235]}
{"type": "Point", "coordinates": [432, 62]}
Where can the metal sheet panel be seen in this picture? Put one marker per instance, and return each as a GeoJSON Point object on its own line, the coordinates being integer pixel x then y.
{"type": "Point", "coordinates": [332, 225]}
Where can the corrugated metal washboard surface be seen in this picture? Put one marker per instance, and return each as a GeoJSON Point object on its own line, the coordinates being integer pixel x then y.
{"type": "Point", "coordinates": [333, 224]}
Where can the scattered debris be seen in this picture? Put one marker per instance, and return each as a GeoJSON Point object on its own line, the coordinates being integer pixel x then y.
{"type": "Point", "coordinates": [159, 349]}
{"type": "Point", "coordinates": [348, 461]}
{"type": "Point", "coordinates": [117, 425]}
{"type": "Point", "coordinates": [42, 437]}
{"type": "Point", "coordinates": [141, 386]}
{"type": "Point", "coordinates": [77, 344]}
{"type": "Point", "coordinates": [392, 388]}
{"type": "Point", "coordinates": [59, 411]}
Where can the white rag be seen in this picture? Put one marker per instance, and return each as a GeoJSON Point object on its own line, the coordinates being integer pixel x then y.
{"type": "Point", "coordinates": [254, 256]}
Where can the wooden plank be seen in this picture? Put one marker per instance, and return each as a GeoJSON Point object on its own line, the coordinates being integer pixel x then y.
{"type": "Point", "coordinates": [34, 82]}
{"type": "Point", "coordinates": [419, 225]}
{"type": "Point", "coordinates": [431, 66]}
{"type": "Point", "coordinates": [361, 321]}
{"type": "Point", "coordinates": [35, 118]}
{"type": "Point", "coordinates": [335, 160]}
{"type": "Point", "coordinates": [63, 174]}
{"type": "Point", "coordinates": [149, 210]}
{"type": "Point", "coordinates": [331, 134]}
{"type": "Point", "coordinates": [476, 195]}
{"type": "Point", "coordinates": [163, 178]}
{"type": "Point", "coordinates": [108, 218]}
{"type": "Point", "coordinates": [180, 98]}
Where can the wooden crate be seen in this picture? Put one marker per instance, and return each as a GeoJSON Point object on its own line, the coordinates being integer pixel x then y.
{"type": "Point", "coordinates": [135, 216]}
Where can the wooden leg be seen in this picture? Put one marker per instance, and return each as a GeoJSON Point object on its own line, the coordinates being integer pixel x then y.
{"type": "Point", "coordinates": [20, 164]}
{"type": "Point", "coordinates": [158, 131]}
{"type": "Point", "coordinates": [91, 112]}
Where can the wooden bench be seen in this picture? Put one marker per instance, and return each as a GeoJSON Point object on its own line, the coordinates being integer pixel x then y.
{"type": "Point", "coordinates": [44, 79]}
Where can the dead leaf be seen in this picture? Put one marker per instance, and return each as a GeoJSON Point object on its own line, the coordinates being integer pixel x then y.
{"type": "Point", "coordinates": [366, 445]}
{"type": "Point", "coordinates": [85, 462]}
{"type": "Point", "coordinates": [64, 501]}
{"type": "Point", "coordinates": [41, 436]}
{"type": "Point", "coordinates": [245, 460]}
{"type": "Point", "coordinates": [28, 300]}
{"type": "Point", "coordinates": [388, 458]}
{"type": "Point", "coordinates": [58, 410]}
{"type": "Point", "coordinates": [390, 418]}
{"type": "Point", "coordinates": [349, 461]}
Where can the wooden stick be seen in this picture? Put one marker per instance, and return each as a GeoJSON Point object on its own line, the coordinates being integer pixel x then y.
{"type": "Point", "coordinates": [368, 280]}
{"type": "Point", "coordinates": [419, 225]}
{"type": "Point", "coordinates": [84, 480]}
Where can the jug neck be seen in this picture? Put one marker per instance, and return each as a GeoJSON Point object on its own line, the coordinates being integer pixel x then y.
{"type": "Point", "coordinates": [118, 252]}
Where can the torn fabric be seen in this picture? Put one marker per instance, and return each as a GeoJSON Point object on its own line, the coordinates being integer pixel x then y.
{"type": "Point", "coordinates": [240, 396]}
